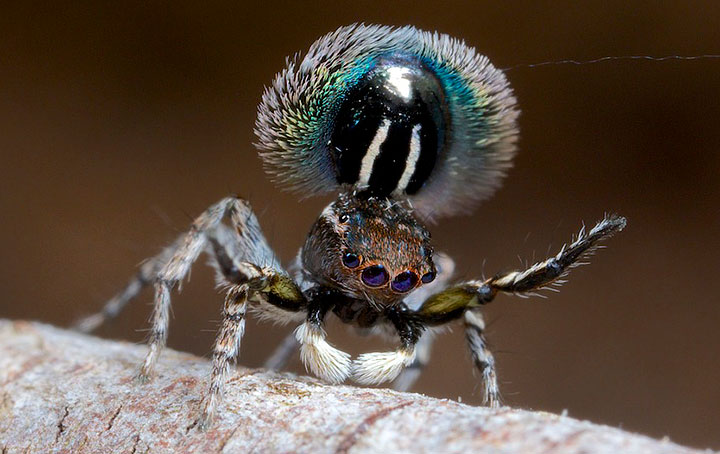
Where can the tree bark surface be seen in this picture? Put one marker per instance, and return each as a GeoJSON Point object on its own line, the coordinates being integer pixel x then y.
{"type": "Point", "coordinates": [63, 392]}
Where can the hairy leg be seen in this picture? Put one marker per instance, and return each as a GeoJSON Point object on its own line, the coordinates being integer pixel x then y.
{"type": "Point", "coordinates": [464, 299]}
{"type": "Point", "coordinates": [482, 357]}
{"type": "Point", "coordinates": [451, 303]}
{"type": "Point", "coordinates": [226, 348]}
{"type": "Point", "coordinates": [244, 261]}
{"type": "Point", "coordinates": [176, 269]}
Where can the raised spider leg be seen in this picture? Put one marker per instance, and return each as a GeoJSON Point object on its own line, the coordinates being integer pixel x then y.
{"type": "Point", "coordinates": [464, 299]}
{"type": "Point", "coordinates": [452, 302]}
{"type": "Point", "coordinates": [544, 273]}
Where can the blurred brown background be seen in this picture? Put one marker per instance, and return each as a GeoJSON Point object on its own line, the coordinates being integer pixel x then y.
{"type": "Point", "coordinates": [119, 123]}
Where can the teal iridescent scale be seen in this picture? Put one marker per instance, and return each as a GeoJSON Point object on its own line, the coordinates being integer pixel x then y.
{"type": "Point", "coordinates": [391, 112]}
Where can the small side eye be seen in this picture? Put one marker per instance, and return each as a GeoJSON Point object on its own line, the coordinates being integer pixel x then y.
{"type": "Point", "coordinates": [404, 281]}
{"type": "Point", "coordinates": [375, 276]}
{"type": "Point", "coordinates": [343, 218]}
{"type": "Point", "coordinates": [428, 277]}
{"type": "Point", "coordinates": [351, 260]}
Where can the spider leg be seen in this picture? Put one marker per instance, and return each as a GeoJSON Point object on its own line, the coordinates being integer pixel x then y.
{"type": "Point", "coordinates": [259, 285]}
{"type": "Point", "coordinates": [226, 348]}
{"type": "Point", "coordinates": [238, 254]}
{"type": "Point", "coordinates": [452, 302]}
{"type": "Point", "coordinates": [543, 273]}
{"type": "Point", "coordinates": [464, 299]}
{"type": "Point", "coordinates": [482, 357]}
{"type": "Point", "coordinates": [176, 269]}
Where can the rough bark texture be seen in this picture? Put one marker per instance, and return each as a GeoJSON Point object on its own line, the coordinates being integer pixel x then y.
{"type": "Point", "coordinates": [63, 392]}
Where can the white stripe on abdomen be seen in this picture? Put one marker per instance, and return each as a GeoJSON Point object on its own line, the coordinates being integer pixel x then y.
{"type": "Point", "coordinates": [411, 160]}
{"type": "Point", "coordinates": [372, 152]}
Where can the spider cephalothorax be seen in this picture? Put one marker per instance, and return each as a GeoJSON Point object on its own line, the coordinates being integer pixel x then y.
{"type": "Point", "coordinates": [370, 248]}
{"type": "Point", "coordinates": [404, 125]}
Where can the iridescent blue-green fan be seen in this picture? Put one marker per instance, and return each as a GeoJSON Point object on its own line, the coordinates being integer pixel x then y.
{"type": "Point", "coordinates": [390, 112]}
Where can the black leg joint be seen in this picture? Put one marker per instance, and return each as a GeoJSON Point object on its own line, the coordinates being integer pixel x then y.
{"type": "Point", "coordinates": [554, 269]}
{"type": "Point", "coordinates": [408, 326]}
{"type": "Point", "coordinates": [485, 294]}
{"type": "Point", "coordinates": [320, 302]}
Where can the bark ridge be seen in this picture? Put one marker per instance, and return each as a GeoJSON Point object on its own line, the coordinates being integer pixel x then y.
{"type": "Point", "coordinates": [63, 392]}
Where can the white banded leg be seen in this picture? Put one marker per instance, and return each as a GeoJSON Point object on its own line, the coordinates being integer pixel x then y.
{"type": "Point", "coordinates": [175, 270]}
{"type": "Point", "coordinates": [482, 357]}
{"type": "Point", "coordinates": [553, 269]}
{"type": "Point", "coordinates": [227, 347]}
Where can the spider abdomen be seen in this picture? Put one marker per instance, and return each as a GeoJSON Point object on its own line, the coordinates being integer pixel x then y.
{"type": "Point", "coordinates": [392, 112]}
{"type": "Point", "coordinates": [390, 126]}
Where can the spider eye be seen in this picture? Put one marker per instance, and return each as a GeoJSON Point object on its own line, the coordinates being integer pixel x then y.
{"type": "Point", "coordinates": [404, 281]}
{"type": "Point", "coordinates": [428, 277]}
{"type": "Point", "coordinates": [375, 276]}
{"type": "Point", "coordinates": [351, 260]}
{"type": "Point", "coordinates": [343, 218]}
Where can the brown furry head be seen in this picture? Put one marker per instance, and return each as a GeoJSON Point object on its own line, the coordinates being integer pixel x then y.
{"type": "Point", "coordinates": [369, 248]}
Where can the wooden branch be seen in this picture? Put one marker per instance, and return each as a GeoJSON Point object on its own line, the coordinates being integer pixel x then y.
{"type": "Point", "coordinates": [64, 392]}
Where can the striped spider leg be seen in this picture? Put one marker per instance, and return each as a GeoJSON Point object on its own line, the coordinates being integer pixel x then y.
{"type": "Point", "coordinates": [465, 299]}
{"type": "Point", "coordinates": [246, 265]}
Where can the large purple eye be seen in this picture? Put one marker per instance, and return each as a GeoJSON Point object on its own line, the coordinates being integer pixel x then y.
{"type": "Point", "coordinates": [375, 275]}
{"type": "Point", "coordinates": [404, 281]}
{"type": "Point", "coordinates": [428, 277]}
{"type": "Point", "coordinates": [351, 260]}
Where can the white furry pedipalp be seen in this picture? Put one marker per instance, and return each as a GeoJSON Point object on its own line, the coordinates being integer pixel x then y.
{"type": "Point", "coordinates": [379, 367]}
{"type": "Point", "coordinates": [321, 358]}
